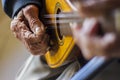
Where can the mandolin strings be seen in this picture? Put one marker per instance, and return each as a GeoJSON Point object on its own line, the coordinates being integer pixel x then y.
{"type": "Point", "coordinates": [63, 15]}
{"type": "Point", "coordinates": [63, 18]}
{"type": "Point", "coordinates": [64, 21]}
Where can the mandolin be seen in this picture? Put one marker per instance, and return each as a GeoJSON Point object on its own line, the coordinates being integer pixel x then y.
{"type": "Point", "coordinates": [61, 42]}
{"type": "Point", "coordinates": [60, 14]}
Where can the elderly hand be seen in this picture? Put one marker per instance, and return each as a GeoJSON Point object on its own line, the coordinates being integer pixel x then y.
{"type": "Point", "coordinates": [29, 29]}
{"type": "Point", "coordinates": [87, 37]}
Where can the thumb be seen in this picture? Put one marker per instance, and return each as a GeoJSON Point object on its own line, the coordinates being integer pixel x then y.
{"type": "Point", "coordinates": [31, 13]}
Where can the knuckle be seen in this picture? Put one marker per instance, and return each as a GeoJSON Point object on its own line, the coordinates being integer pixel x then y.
{"type": "Point", "coordinates": [26, 35]}
{"type": "Point", "coordinates": [27, 9]}
{"type": "Point", "coordinates": [30, 8]}
{"type": "Point", "coordinates": [22, 26]}
{"type": "Point", "coordinates": [13, 22]}
{"type": "Point", "coordinates": [26, 38]}
{"type": "Point", "coordinates": [36, 49]}
{"type": "Point", "coordinates": [23, 36]}
{"type": "Point", "coordinates": [33, 21]}
{"type": "Point", "coordinates": [20, 15]}
{"type": "Point", "coordinates": [13, 25]}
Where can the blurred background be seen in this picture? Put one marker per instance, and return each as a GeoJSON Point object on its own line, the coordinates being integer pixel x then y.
{"type": "Point", "coordinates": [12, 53]}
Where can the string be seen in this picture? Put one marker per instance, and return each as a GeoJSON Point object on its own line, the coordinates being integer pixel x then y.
{"type": "Point", "coordinates": [63, 15]}
{"type": "Point", "coordinates": [63, 18]}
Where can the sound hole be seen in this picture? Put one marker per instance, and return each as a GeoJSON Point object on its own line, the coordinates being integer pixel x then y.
{"type": "Point", "coordinates": [58, 26]}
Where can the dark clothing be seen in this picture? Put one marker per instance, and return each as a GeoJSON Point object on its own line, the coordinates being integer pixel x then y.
{"type": "Point", "coordinates": [12, 7]}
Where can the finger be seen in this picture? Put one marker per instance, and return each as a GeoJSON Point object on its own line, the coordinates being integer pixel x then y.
{"type": "Point", "coordinates": [83, 37]}
{"type": "Point", "coordinates": [16, 21]}
{"type": "Point", "coordinates": [81, 40]}
{"type": "Point", "coordinates": [13, 25]}
{"type": "Point", "coordinates": [19, 29]}
{"type": "Point", "coordinates": [27, 37]}
{"type": "Point", "coordinates": [75, 28]}
{"type": "Point", "coordinates": [99, 45]}
{"type": "Point", "coordinates": [108, 39]}
{"type": "Point", "coordinates": [90, 27]}
{"type": "Point", "coordinates": [37, 48]}
{"type": "Point", "coordinates": [97, 7]}
{"type": "Point", "coordinates": [31, 14]}
{"type": "Point", "coordinates": [20, 16]}
{"type": "Point", "coordinates": [34, 43]}
{"type": "Point", "coordinates": [37, 45]}
{"type": "Point", "coordinates": [92, 43]}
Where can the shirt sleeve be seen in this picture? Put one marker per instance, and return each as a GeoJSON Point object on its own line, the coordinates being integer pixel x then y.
{"type": "Point", "coordinates": [12, 7]}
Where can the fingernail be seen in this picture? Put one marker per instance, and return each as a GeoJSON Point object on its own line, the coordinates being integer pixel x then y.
{"type": "Point", "coordinates": [37, 30]}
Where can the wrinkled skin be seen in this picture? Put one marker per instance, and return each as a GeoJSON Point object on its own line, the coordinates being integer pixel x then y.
{"type": "Point", "coordinates": [27, 27]}
{"type": "Point", "coordinates": [86, 37]}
